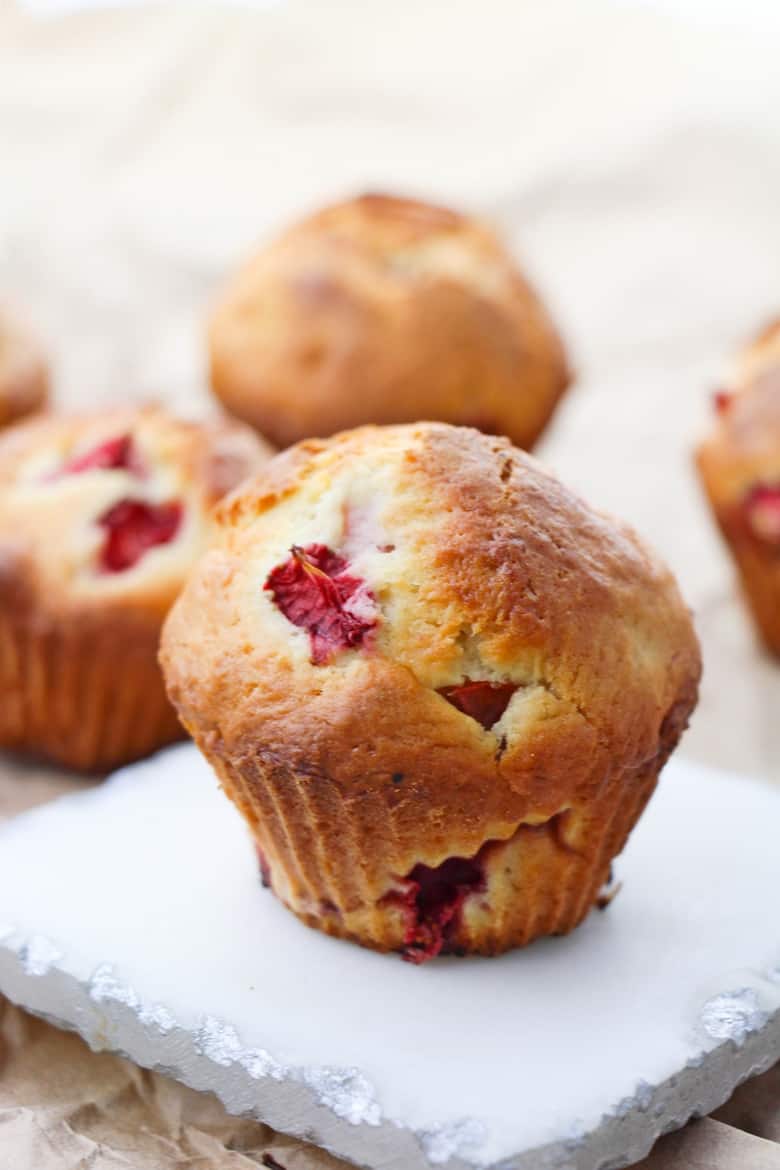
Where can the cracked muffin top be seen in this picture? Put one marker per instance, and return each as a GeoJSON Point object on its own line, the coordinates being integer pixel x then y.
{"type": "Point", "coordinates": [24, 375]}
{"type": "Point", "coordinates": [426, 601]}
{"type": "Point", "coordinates": [385, 310]}
{"type": "Point", "coordinates": [112, 506]}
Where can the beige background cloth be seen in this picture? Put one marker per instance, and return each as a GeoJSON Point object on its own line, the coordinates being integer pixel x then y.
{"type": "Point", "coordinates": [633, 160]}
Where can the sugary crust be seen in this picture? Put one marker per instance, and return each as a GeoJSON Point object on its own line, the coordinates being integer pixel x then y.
{"type": "Point", "coordinates": [385, 310]}
{"type": "Point", "coordinates": [78, 649]}
{"type": "Point", "coordinates": [353, 772]}
{"type": "Point", "coordinates": [24, 374]}
{"type": "Point", "coordinates": [741, 452]}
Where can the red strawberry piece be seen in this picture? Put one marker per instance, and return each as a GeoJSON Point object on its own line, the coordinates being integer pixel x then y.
{"type": "Point", "coordinates": [432, 902]}
{"type": "Point", "coordinates": [762, 508]}
{"type": "Point", "coordinates": [722, 400]}
{"type": "Point", "coordinates": [132, 528]}
{"type": "Point", "coordinates": [114, 454]}
{"type": "Point", "coordinates": [316, 592]}
{"type": "Point", "coordinates": [484, 701]}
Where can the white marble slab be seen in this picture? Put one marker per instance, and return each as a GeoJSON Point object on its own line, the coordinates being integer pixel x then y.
{"type": "Point", "coordinates": [133, 914]}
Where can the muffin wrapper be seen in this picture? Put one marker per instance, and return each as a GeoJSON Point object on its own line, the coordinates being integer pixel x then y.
{"type": "Point", "coordinates": [758, 572]}
{"type": "Point", "coordinates": [333, 861]}
{"type": "Point", "coordinates": [761, 587]}
{"type": "Point", "coordinates": [87, 699]}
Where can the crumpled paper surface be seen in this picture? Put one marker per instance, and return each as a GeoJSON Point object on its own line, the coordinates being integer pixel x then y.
{"type": "Point", "coordinates": [63, 1106]}
{"type": "Point", "coordinates": [632, 157]}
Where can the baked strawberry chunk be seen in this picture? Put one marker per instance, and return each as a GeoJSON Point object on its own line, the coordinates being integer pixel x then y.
{"type": "Point", "coordinates": [316, 592]}
{"type": "Point", "coordinates": [432, 901]}
{"type": "Point", "coordinates": [762, 508]}
{"type": "Point", "coordinates": [118, 453]}
{"type": "Point", "coordinates": [484, 701]}
{"type": "Point", "coordinates": [133, 527]}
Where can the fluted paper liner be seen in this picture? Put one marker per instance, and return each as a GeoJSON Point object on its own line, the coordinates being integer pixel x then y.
{"type": "Point", "coordinates": [336, 863]}
{"type": "Point", "coordinates": [90, 699]}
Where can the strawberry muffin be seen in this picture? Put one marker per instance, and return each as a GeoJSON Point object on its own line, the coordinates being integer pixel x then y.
{"type": "Point", "coordinates": [437, 685]}
{"type": "Point", "coordinates": [101, 519]}
{"type": "Point", "coordinates": [24, 376]}
{"type": "Point", "coordinates": [385, 310]}
{"type": "Point", "coordinates": [739, 464]}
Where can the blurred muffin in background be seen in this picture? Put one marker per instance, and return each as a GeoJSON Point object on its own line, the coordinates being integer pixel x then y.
{"type": "Point", "coordinates": [439, 687]}
{"type": "Point", "coordinates": [24, 374]}
{"type": "Point", "coordinates": [385, 310]}
{"type": "Point", "coordinates": [101, 518]}
{"type": "Point", "coordinates": [739, 464]}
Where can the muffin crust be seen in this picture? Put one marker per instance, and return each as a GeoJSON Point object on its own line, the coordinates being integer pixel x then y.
{"type": "Point", "coordinates": [101, 517]}
{"type": "Point", "coordinates": [385, 310]}
{"type": "Point", "coordinates": [355, 770]}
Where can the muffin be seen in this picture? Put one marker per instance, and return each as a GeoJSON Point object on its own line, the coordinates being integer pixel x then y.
{"type": "Point", "coordinates": [101, 518]}
{"type": "Point", "coordinates": [24, 376]}
{"type": "Point", "coordinates": [739, 465]}
{"type": "Point", "coordinates": [385, 310]}
{"type": "Point", "coordinates": [437, 685]}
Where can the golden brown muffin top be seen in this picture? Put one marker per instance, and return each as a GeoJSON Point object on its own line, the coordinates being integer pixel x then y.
{"type": "Point", "coordinates": [24, 377]}
{"type": "Point", "coordinates": [112, 507]}
{"type": "Point", "coordinates": [403, 238]}
{"type": "Point", "coordinates": [478, 626]}
{"type": "Point", "coordinates": [385, 310]}
{"type": "Point", "coordinates": [383, 223]}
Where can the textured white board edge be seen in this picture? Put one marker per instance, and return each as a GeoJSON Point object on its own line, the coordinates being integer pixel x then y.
{"type": "Point", "coordinates": [289, 1106]}
{"type": "Point", "coordinates": [738, 1029]}
{"type": "Point", "coordinates": [623, 1137]}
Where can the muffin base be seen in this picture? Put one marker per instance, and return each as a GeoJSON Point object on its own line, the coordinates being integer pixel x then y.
{"type": "Point", "coordinates": [761, 588]}
{"type": "Point", "coordinates": [86, 695]}
{"type": "Point", "coordinates": [759, 572]}
{"type": "Point", "coordinates": [539, 879]}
